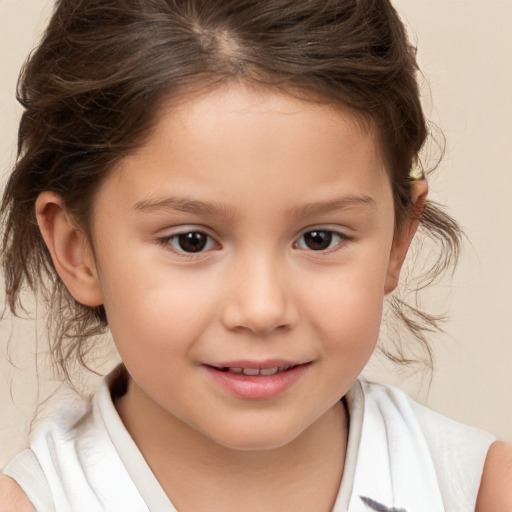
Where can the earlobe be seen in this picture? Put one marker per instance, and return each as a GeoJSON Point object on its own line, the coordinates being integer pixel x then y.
{"type": "Point", "coordinates": [69, 248]}
{"type": "Point", "coordinates": [403, 239]}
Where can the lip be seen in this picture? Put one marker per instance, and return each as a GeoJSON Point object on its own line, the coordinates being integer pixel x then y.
{"type": "Point", "coordinates": [245, 363]}
{"type": "Point", "coordinates": [256, 387]}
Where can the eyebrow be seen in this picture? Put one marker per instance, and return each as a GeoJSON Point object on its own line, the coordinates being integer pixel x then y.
{"type": "Point", "coordinates": [185, 205]}
{"type": "Point", "coordinates": [340, 203]}
{"type": "Point", "coordinates": [193, 206]}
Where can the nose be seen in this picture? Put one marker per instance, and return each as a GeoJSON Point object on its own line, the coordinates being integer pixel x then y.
{"type": "Point", "coordinates": [259, 298]}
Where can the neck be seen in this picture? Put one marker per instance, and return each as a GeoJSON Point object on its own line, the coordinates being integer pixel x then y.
{"type": "Point", "coordinates": [305, 474]}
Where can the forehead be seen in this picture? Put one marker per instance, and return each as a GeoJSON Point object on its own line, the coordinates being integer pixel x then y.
{"type": "Point", "coordinates": [250, 103]}
{"type": "Point", "coordinates": [238, 137]}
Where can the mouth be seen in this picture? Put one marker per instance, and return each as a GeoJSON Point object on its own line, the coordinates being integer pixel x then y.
{"type": "Point", "coordinates": [252, 371]}
{"type": "Point", "coordinates": [251, 380]}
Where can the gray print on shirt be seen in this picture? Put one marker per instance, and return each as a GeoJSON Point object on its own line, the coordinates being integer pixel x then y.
{"type": "Point", "coordinates": [374, 505]}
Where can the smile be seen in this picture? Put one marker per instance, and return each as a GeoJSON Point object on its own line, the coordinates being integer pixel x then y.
{"type": "Point", "coordinates": [256, 381]}
{"type": "Point", "coordinates": [255, 371]}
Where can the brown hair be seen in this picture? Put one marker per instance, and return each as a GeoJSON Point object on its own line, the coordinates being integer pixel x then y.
{"type": "Point", "coordinates": [92, 89]}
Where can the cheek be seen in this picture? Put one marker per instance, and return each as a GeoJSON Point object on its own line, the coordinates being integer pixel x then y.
{"type": "Point", "coordinates": [155, 314]}
{"type": "Point", "coordinates": [153, 309]}
{"type": "Point", "coordinates": [348, 308]}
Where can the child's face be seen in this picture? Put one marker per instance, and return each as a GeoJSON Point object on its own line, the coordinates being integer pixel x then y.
{"type": "Point", "coordinates": [255, 231]}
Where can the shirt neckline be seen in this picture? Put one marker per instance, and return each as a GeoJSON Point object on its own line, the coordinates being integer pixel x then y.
{"type": "Point", "coordinates": [114, 385]}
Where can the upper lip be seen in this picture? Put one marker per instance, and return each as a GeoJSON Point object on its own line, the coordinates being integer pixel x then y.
{"type": "Point", "coordinates": [260, 365]}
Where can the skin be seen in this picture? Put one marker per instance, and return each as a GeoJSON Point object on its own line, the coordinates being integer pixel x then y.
{"type": "Point", "coordinates": [255, 171]}
{"type": "Point", "coordinates": [12, 498]}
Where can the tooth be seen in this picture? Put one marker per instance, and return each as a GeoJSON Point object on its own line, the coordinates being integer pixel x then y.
{"type": "Point", "coordinates": [236, 370]}
{"type": "Point", "coordinates": [269, 371]}
{"type": "Point", "coordinates": [251, 371]}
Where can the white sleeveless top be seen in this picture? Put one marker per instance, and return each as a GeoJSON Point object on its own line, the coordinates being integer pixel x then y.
{"type": "Point", "coordinates": [401, 457]}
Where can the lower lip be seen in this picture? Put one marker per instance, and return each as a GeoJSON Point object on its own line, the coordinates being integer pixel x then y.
{"type": "Point", "coordinates": [257, 387]}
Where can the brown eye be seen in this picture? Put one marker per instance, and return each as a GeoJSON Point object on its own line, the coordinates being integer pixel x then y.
{"type": "Point", "coordinates": [320, 240]}
{"type": "Point", "coordinates": [190, 242]}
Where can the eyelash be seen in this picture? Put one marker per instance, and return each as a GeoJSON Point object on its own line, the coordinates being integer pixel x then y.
{"type": "Point", "coordinates": [333, 236]}
{"type": "Point", "coordinates": [209, 242]}
{"type": "Point", "coordinates": [174, 241]}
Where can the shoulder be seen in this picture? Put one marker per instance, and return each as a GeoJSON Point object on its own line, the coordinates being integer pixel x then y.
{"type": "Point", "coordinates": [12, 498]}
{"type": "Point", "coordinates": [21, 480]}
{"type": "Point", "coordinates": [457, 451]}
{"type": "Point", "coordinates": [496, 487]}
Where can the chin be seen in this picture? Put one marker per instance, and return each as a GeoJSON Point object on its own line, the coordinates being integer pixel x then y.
{"type": "Point", "coordinates": [265, 438]}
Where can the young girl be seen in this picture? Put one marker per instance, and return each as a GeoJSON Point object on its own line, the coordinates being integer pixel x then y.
{"type": "Point", "coordinates": [230, 188]}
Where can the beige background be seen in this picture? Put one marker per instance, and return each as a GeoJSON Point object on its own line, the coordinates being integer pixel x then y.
{"type": "Point", "coordinates": [465, 48]}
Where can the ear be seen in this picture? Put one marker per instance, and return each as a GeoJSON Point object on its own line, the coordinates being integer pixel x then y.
{"type": "Point", "coordinates": [69, 248]}
{"type": "Point", "coordinates": [402, 240]}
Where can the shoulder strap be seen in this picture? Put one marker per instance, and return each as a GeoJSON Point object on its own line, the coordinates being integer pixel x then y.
{"type": "Point", "coordinates": [459, 453]}
{"type": "Point", "coordinates": [394, 470]}
{"type": "Point", "coordinates": [78, 460]}
{"type": "Point", "coordinates": [26, 471]}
